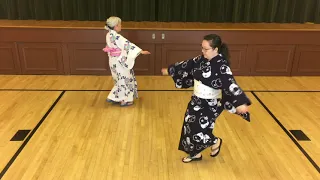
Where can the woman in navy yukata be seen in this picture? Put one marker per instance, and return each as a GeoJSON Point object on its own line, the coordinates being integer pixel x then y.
{"type": "Point", "coordinates": [215, 89]}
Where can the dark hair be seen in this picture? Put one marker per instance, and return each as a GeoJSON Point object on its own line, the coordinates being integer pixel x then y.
{"type": "Point", "coordinates": [215, 42]}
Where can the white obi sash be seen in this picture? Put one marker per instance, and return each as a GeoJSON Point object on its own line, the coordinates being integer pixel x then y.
{"type": "Point", "coordinates": [205, 92]}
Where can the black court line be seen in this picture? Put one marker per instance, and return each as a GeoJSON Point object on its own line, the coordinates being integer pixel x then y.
{"type": "Point", "coordinates": [159, 90]}
{"type": "Point", "coordinates": [288, 134]}
{"type": "Point", "coordinates": [30, 136]}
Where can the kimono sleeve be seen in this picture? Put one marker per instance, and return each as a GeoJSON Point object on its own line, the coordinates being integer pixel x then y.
{"type": "Point", "coordinates": [182, 73]}
{"type": "Point", "coordinates": [232, 95]}
{"type": "Point", "coordinates": [230, 86]}
{"type": "Point", "coordinates": [129, 52]}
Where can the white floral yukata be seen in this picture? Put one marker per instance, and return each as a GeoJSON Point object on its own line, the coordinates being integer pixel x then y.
{"type": "Point", "coordinates": [121, 66]}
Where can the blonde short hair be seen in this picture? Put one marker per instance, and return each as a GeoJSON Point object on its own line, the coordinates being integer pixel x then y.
{"type": "Point", "coordinates": [112, 22]}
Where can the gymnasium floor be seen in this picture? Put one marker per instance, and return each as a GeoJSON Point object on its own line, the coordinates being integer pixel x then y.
{"type": "Point", "coordinates": [60, 127]}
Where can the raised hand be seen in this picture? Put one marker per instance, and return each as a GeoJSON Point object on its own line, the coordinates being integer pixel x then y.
{"type": "Point", "coordinates": [145, 52]}
{"type": "Point", "coordinates": [164, 71]}
{"type": "Point", "coordinates": [242, 109]}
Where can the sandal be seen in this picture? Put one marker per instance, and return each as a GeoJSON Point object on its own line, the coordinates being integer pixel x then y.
{"type": "Point", "coordinates": [218, 148]}
{"type": "Point", "coordinates": [111, 101]}
{"type": "Point", "coordinates": [189, 159]}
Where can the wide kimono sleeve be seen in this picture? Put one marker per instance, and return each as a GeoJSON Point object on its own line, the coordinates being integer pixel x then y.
{"type": "Point", "coordinates": [182, 73]}
{"type": "Point", "coordinates": [232, 95]}
{"type": "Point", "coordinates": [129, 52]}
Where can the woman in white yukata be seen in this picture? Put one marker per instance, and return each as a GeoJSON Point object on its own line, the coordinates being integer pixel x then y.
{"type": "Point", "coordinates": [215, 89]}
{"type": "Point", "coordinates": [122, 54]}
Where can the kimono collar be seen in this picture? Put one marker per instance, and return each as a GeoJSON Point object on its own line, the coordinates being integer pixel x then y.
{"type": "Point", "coordinates": [113, 31]}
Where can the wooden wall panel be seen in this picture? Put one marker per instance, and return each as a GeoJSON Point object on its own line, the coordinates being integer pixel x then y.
{"type": "Point", "coordinates": [271, 59]}
{"type": "Point", "coordinates": [9, 62]}
{"type": "Point", "coordinates": [306, 60]}
{"type": "Point", "coordinates": [41, 58]}
{"type": "Point", "coordinates": [88, 59]}
{"type": "Point", "coordinates": [238, 60]}
{"type": "Point", "coordinates": [172, 53]}
{"type": "Point", "coordinates": [145, 64]}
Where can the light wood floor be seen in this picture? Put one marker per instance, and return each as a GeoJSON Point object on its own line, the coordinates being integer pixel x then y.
{"type": "Point", "coordinates": [83, 137]}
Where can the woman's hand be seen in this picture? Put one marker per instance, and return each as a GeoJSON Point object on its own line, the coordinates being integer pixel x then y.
{"type": "Point", "coordinates": [242, 109]}
{"type": "Point", "coordinates": [164, 71]}
{"type": "Point", "coordinates": [145, 52]}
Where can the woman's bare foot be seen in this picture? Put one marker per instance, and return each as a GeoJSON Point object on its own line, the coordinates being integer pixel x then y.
{"type": "Point", "coordinates": [215, 149]}
{"type": "Point", "coordinates": [188, 159]}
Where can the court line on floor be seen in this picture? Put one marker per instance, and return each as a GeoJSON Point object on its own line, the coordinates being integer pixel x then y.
{"type": "Point", "coordinates": [314, 164]}
{"type": "Point", "coordinates": [30, 136]}
{"type": "Point", "coordinates": [158, 90]}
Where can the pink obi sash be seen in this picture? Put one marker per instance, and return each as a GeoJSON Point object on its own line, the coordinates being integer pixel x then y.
{"type": "Point", "coordinates": [112, 51]}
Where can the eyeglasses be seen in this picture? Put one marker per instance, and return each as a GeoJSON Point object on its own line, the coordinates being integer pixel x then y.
{"type": "Point", "coordinates": [205, 49]}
